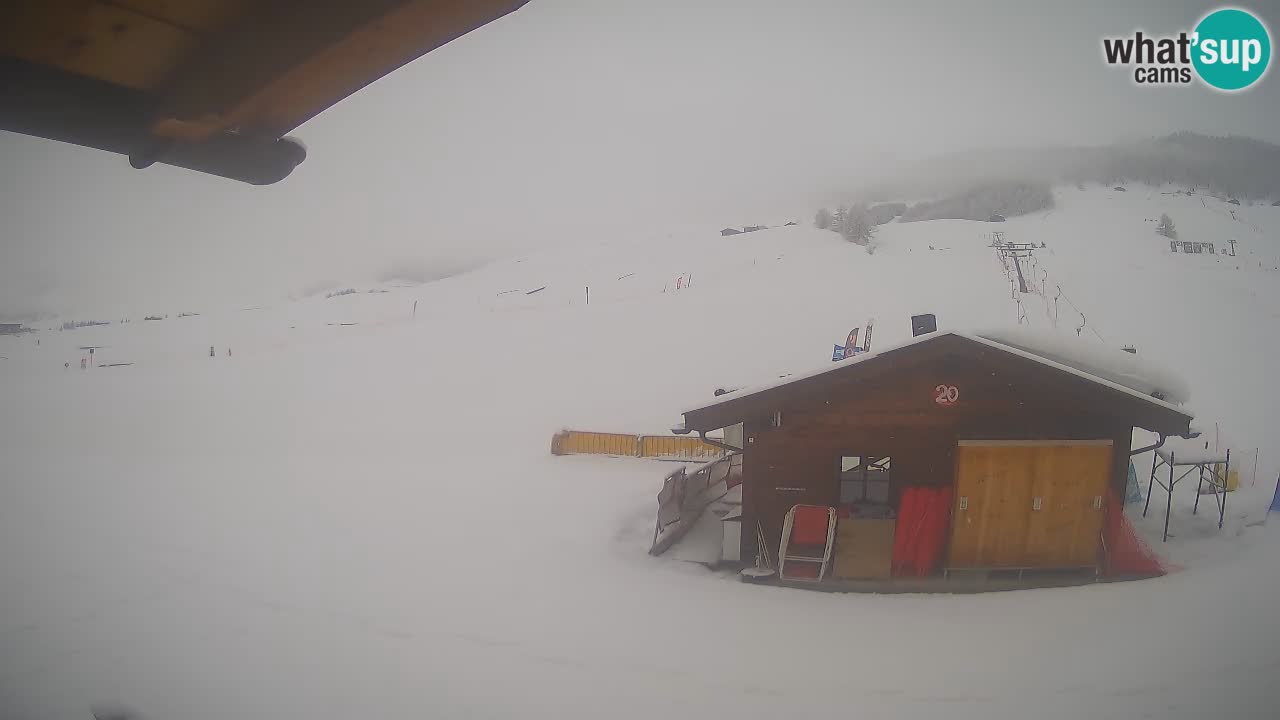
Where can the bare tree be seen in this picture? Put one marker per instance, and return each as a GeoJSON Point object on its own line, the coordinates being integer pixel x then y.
{"type": "Point", "coordinates": [1166, 228]}
{"type": "Point", "coordinates": [855, 224]}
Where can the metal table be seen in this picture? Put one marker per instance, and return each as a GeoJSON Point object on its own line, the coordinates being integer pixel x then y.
{"type": "Point", "coordinates": [1194, 455]}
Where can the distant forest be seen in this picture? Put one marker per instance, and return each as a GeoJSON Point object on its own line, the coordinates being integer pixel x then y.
{"type": "Point", "coordinates": [1235, 167]}
{"type": "Point", "coordinates": [986, 201]}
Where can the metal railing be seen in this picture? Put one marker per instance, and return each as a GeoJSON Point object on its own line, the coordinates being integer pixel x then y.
{"type": "Point", "coordinates": [685, 494]}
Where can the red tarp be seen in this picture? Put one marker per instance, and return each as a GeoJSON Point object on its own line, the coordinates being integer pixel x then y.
{"type": "Point", "coordinates": [924, 515]}
{"type": "Point", "coordinates": [1126, 553]}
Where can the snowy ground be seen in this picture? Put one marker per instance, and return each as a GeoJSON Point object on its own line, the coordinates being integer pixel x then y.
{"type": "Point", "coordinates": [364, 520]}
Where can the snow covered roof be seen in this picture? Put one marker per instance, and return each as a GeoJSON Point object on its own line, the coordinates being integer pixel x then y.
{"type": "Point", "coordinates": [1118, 371]}
{"type": "Point", "coordinates": [1098, 361]}
{"type": "Point", "coordinates": [789, 379]}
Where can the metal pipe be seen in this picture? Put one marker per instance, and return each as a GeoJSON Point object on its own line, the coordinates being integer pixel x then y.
{"type": "Point", "coordinates": [1157, 446]}
{"type": "Point", "coordinates": [1222, 509]}
{"type": "Point", "coordinates": [1155, 461]}
{"type": "Point", "coordinates": [723, 446]}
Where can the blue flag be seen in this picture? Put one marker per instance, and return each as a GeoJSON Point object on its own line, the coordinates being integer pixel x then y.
{"type": "Point", "coordinates": [838, 353]}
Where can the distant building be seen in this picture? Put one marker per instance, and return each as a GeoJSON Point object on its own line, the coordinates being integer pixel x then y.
{"type": "Point", "coordinates": [1192, 248]}
{"type": "Point", "coordinates": [753, 228]}
{"type": "Point", "coordinates": [996, 217]}
{"type": "Point", "coordinates": [729, 231]}
{"type": "Point", "coordinates": [1119, 188]}
{"type": "Point", "coordinates": [793, 222]}
{"type": "Point", "coordinates": [10, 328]}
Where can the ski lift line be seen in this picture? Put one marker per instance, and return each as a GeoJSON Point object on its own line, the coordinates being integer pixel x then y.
{"type": "Point", "coordinates": [1084, 321]}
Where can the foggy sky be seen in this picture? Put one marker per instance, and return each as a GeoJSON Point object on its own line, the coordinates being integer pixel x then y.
{"type": "Point", "coordinates": [577, 120]}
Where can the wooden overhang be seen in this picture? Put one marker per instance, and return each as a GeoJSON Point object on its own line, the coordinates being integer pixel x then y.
{"type": "Point", "coordinates": [1089, 393]}
{"type": "Point", "coordinates": [209, 85]}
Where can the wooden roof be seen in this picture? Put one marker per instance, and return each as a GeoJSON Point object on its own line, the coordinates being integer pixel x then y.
{"type": "Point", "coordinates": [208, 84]}
{"type": "Point", "coordinates": [844, 379]}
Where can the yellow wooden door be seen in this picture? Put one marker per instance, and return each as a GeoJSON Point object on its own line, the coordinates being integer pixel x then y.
{"type": "Point", "coordinates": [1070, 484]}
{"type": "Point", "coordinates": [989, 519]}
{"type": "Point", "coordinates": [1028, 504]}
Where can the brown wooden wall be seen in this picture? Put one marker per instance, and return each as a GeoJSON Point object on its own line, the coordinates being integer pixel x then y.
{"type": "Point", "coordinates": [896, 414]}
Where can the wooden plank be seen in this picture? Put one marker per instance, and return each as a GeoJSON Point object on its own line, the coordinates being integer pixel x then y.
{"type": "Point", "coordinates": [1095, 475]}
{"type": "Point", "coordinates": [1011, 496]}
{"type": "Point", "coordinates": [281, 63]}
{"type": "Point", "coordinates": [969, 512]}
{"type": "Point", "coordinates": [1051, 530]}
{"type": "Point", "coordinates": [864, 548]}
{"type": "Point", "coordinates": [195, 16]}
{"type": "Point", "coordinates": [1034, 443]}
{"type": "Point", "coordinates": [100, 41]}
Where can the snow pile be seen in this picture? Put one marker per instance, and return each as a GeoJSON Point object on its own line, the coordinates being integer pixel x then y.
{"type": "Point", "coordinates": [1118, 366]}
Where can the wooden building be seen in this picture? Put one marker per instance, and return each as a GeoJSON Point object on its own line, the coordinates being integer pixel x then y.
{"type": "Point", "coordinates": [1033, 450]}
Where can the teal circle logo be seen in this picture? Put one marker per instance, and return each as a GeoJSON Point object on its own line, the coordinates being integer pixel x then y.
{"type": "Point", "coordinates": [1232, 49]}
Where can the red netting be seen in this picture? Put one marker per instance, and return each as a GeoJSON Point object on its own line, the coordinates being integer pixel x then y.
{"type": "Point", "coordinates": [1126, 553]}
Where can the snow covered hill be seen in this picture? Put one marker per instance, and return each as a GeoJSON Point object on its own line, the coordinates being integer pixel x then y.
{"type": "Point", "coordinates": [355, 512]}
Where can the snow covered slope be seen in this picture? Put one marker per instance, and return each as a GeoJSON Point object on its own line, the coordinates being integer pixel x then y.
{"type": "Point", "coordinates": [356, 513]}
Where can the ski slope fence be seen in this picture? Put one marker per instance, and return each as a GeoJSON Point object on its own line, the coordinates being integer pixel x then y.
{"type": "Point", "coordinates": [580, 442]}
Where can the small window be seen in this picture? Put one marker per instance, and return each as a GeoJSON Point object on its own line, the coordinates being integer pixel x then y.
{"type": "Point", "coordinates": [864, 480]}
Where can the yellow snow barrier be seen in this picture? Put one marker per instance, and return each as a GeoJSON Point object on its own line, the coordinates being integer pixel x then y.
{"type": "Point", "coordinates": [577, 442]}
{"type": "Point", "coordinates": [1233, 477]}
{"type": "Point", "coordinates": [580, 442]}
{"type": "Point", "coordinates": [678, 447]}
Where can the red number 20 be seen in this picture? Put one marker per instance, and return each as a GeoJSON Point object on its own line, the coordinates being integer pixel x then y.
{"type": "Point", "coordinates": [946, 394]}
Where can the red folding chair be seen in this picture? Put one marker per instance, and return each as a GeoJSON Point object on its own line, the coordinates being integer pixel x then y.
{"type": "Point", "coordinates": [808, 533]}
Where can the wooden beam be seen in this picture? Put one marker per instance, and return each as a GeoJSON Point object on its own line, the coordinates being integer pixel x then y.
{"type": "Point", "coordinates": [285, 61]}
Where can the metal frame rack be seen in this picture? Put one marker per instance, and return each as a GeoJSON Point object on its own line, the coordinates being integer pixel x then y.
{"type": "Point", "coordinates": [1213, 469]}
